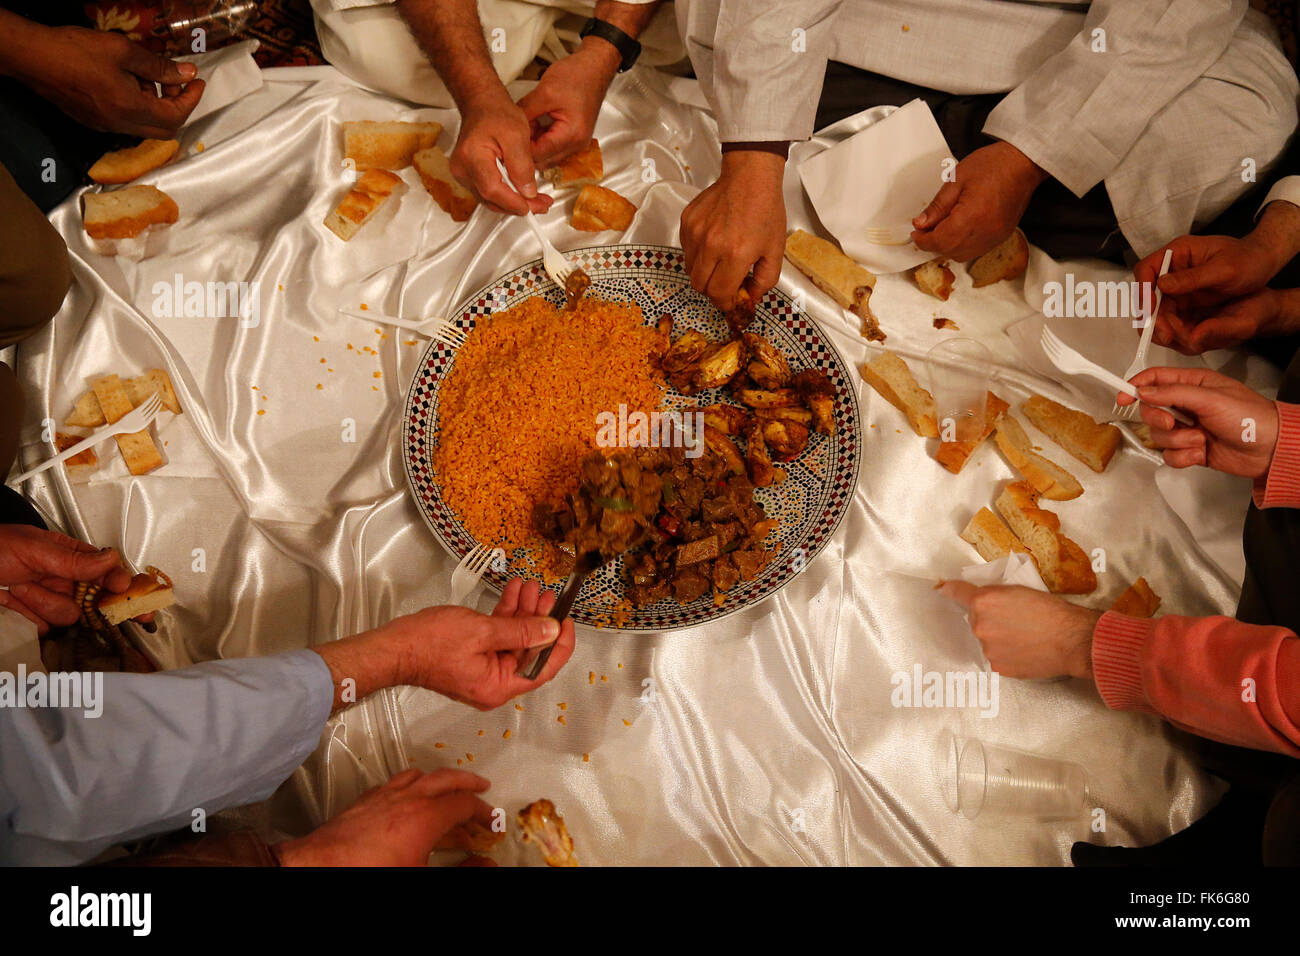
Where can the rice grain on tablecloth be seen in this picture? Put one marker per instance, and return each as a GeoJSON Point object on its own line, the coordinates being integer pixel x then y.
{"type": "Point", "coordinates": [518, 411]}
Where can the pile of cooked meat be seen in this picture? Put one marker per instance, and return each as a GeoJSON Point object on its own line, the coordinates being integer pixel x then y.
{"type": "Point", "coordinates": [778, 411]}
{"type": "Point", "coordinates": [701, 527]}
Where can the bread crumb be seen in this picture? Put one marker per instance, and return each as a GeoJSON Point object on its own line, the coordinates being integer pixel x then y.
{"type": "Point", "coordinates": [562, 705]}
{"type": "Point", "coordinates": [459, 761]}
{"type": "Point", "coordinates": [319, 386]}
{"type": "Point", "coordinates": [384, 336]}
{"type": "Point", "coordinates": [439, 746]}
{"type": "Point", "coordinates": [586, 758]}
{"type": "Point", "coordinates": [591, 677]}
{"type": "Point", "coordinates": [469, 757]}
{"type": "Point", "coordinates": [255, 388]}
{"type": "Point", "coordinates": [364, 307]}
{"type": "Point", "coordinates": [898, 431]}
{"type": "Point", "coordinates": [314, 338]}
{"type": "Point", "coordinates": [322, 361]}
{"type": "Point", "coordinates": [349, 346]}
{"type": "Point", "coordinates": [906, 28]}
{"type": "Point", "coordinates": [626, 722]}
{"type": "Point", "coordinates": [562, 720]}
{"type": "Point", "coordinates": [482, 732]}
{"type": "Point", "coordinates": [261, 411]}
{"type": "Point", "coordinates": [329, 370]}
{"type": "Point", "coordinates": [519, 706]}
{"type": "Point", "coordinates": [374, 388]}
{"type": "Point", "coordinates": [199, 147]}
{"type": "Point", "coordinates": [165, 444]}
{"type": "Point", "coordinates": [506, 735]}
{"type": "Point", "coordinates": [379, 375]}
{"type": "Point", "coordinates": [620, 666]}
{"type": "Point", "coordinates": [603, 677]}
{"type": "Point", "coordinates": [412, 342]}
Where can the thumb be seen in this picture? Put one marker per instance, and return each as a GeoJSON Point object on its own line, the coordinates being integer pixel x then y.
{"type": "Point", "coordinates": [963, 592]}
{"type": "Point", "coordinates": [939, 207]}
{"type": "Point", "coordinates": [54, 559]}
{"type": "Point", "coordinates": [1208, 275]}
{"type": "Point", "coordinates": [519, 633]}
{"type": "Point", "coordinates": [157, 68]}
{"type": "Point", "coordinates": [518, 161]}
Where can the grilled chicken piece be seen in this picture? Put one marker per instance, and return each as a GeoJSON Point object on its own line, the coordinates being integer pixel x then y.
{"type": "Point", "coordinates": [725, 449]}
{"type": "Point", "coordinates": [740, 314]}
{"type": "Point", "coordinates": [763, 398]}
{"type": "Point", "coordinates": [768, 367]}
{"type": "Point", "coordinates": [818, 394]}
{"type": "Point", "coordinates": [785, 439]}
{"type": "Point", "coordinates": [785, 413]}
{"type": "Point", "coordinates": [665, 324]}
{"type": "Point", "coordinates": [544, 827]}
{"type": "Point", "coordinates": [728, 419]}
{"type": "Point", "coordinates": [688, 347]}
{"type": "Point", "coordinates": [719, 365]}
{"type": "Point", "coordinates": [761, 471]}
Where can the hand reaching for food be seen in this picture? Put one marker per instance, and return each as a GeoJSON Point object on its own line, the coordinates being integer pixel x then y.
{"type": "Point", "coordinates": [398, 823]}
{"type": "Point", "coordinates": [41, 570]}
{"type": "Point", "coordinates": [1236, 429]}
{"type": "Point", "coordinates": [981, 206]}
{"type": "Point", "coordinates": [101, 79]}
{"type": "Point", "coordinates": [491, 129]}
{"type": "Point", "coordinates": [1026, 633]}
{"type": "Point", "coordinates": [735, 227]}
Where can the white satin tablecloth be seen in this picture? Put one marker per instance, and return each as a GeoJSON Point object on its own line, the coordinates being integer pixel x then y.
{"type": "Point", "coordinates": [768, 739]}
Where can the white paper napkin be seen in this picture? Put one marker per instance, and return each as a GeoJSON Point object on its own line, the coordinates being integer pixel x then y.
{"type": "Point", "coordinates": [881, 177]}
{"type": "Point", "coordinates": [1015, 568]}
{"type": "Point", "coordinates": [229, 74]}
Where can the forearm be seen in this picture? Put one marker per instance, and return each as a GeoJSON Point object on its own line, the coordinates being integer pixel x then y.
{"type": "Point", "coordinates": [360, 665]}
{"type": "Point", "coordinates": [451, 36]}
{"type": "Point", "coordinates": [1276, 236]}
{"type": "Point", "coordinates": [20, 46]}
{"type": "Point", "coordinates": [1219, 678]}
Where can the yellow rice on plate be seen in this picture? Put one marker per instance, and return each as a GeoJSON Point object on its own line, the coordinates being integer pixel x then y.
{"type": "Point", "coordinates": [518, 411]}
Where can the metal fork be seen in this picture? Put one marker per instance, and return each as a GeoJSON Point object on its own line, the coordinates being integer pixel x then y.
{"type": "Point", "coordinates": [434, 328]}
{"type": "Point", "coordinates": [469, 572]}
{"type": "Point", "coordinates": [889, 235]}
{"type": "Point", "coordinates": [557, 267]}
{"type": "Point", "coordinates": [1072, 363]}
{"type": "Point", "coordinates": [136, 420]}
{"type": "Point", "coordinates": [1129, 412]}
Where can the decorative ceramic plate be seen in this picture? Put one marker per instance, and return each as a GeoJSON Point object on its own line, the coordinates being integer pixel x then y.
{"type": "Point", "coordinates": [809, 504]}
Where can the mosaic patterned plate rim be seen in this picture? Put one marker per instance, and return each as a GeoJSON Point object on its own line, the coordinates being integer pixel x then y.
{"type": "Point", "coordinates": [654, 276]}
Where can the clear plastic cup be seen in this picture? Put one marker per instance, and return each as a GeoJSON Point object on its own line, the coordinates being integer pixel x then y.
{"type": "Point", "coordinates": [1002, 781]}
{"type": "Point", "coordinates": [960, 370]}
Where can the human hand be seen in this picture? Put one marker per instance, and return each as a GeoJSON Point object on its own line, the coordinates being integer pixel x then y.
{"type": "Point", "coordinates": [981, 206]}
{"type": "Point", "coordinates": [472, 657]}
{"type": "Point", "coordinates": [569, 94]}
{"type": "Point", "coordinates": [736, 225]}
{"type": "Point", "coordinates": [495, 128]}
{"type": "Point", "coordinates": [41, 570]}
{"type": "Point", "coordinates": [1190, 332]}
{"type": "Point", "coordinates": [105, 81]}
{"type": "Point", "coordinates": [1027, 633]}
{"type": "Point", "coordinates": [398, 823]}
{"type": "Point", "coordinates": [1236, 429]}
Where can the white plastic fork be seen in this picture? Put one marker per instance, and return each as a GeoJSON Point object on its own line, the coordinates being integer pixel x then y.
{"type": "Point", "coordinates": [1072, 363]}
{"type": "Point", "coordinates": [557, 267]}
{"type": "Point", "coordinates": [888, 235]}
{"type": "Point", "coordinates": [469, 572]}
{"type": "Point", "coordinates": [434, 328]}
{"type": "Point", "coordinates": [1129, 412]}
{"type": "Point", "coordinates": [136, 420]}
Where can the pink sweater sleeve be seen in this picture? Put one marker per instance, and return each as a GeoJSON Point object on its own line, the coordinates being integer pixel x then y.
{"type": "Point", "coordinates": [1214, 676]}
{"type": "Point", "coordinates": [1280, 487]}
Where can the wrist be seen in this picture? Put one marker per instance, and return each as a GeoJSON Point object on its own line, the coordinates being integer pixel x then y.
{"type": "Point", "coordinates": [1024, 168]}
{"type": "Point", "coordinates": [600, 57]}
{"type": "Point", "coordinates": [759, 162]}
{"type": "Point", "coordinates": [1276, 236]}
{"type": "Point", "coordinates": [1079, 658]}
{"type": "Point", "coordinates": [484, 99]}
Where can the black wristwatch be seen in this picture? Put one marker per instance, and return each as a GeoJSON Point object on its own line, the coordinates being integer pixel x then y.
{"type": "Point", "coordinates": [628, 48]}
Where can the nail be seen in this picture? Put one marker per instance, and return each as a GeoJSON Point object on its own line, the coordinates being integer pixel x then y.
{"type": "Point", "coordinates": [189, 70]}
{"type": "Point", "coordinates": [529, 191]}
{"type": "Point", "coordinates": [550, 628]}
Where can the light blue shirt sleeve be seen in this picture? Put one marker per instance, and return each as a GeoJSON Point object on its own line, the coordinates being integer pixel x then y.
{"type": "Point", "coordinates": [217, 735]}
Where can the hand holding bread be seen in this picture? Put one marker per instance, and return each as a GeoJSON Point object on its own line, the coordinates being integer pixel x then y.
{"type": "Point", "coordinates": [40, 570]}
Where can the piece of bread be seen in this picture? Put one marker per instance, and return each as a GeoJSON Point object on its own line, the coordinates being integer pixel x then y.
{"type": "Point", "coordinates": [1138, 600]}
{"type": "Point", "coordinates": [369, 192]}
{"type": "Point", "coordinates": [990, 537]}
{"type": "Point", "coordinates": [953, 455]}
{"type": "Point", "coordinates": [1063, 565]}
{"type": "Point", "coordinates": [435, 172]}
{"type": "Point", "coordinates": [143, 595]}
{"type": "Point", "coordinates": [1007, 260]}
{"type": "Point", "coordinates": [127, 212]}
{"type": "Point", "coordinates": [139, 389]}
{"type": "Point", "coordinates": [124, 165]}
{"type": "Point", "coordinates": [848, 283]}
{"type": "Point", "coordinates": [935, 278]}
{"type": "Point", "coordinates": [137, 448]}
{"type": "Point", "coordinates": [889, 375]}
{"type": "Point", "coordinates": [597, 209]}
{"type": "Point", "coordinates": [81, 465]}
{"type": "Point", "coordinates": [87, 413]}
{"type": "Point", "coordinates": [1093, 444]}
{"type": "Point", "coordinates": [1048, 478]}
{"type": "Point", "coordinates": [583, 168]}
{"type": "Point", "coordinates": [373, 145]}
